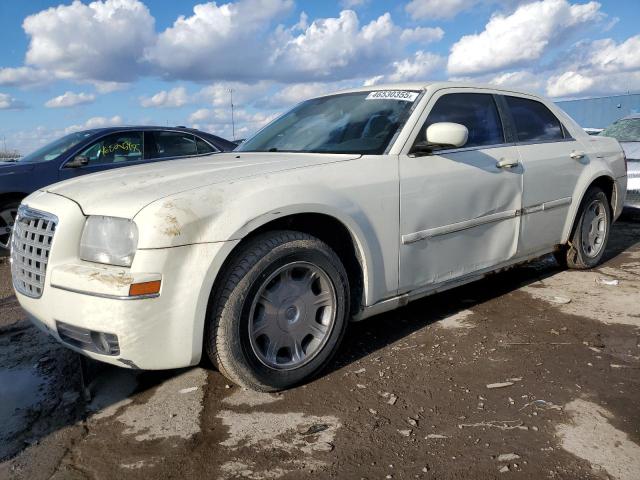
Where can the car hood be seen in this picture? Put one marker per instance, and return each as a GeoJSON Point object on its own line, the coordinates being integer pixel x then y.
{"type": "Point", "coordinates": [631, 150]}
{"type": "Point", "coordinates": [123, 192]}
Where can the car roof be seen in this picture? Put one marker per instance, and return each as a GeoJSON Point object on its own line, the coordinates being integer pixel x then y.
{"type": "Point", "coordinates": [120, 128]}
{"type": "Point", "coordinates": [420, 86]}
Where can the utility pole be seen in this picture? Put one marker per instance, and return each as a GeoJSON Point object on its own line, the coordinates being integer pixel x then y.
{"type": "Point", "coordinates": [233, 122]}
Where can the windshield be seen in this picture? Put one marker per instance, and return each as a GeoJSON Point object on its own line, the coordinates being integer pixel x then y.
{"type": "Point", "coordinates": [361, 122]}
{"type": "Point", "coordinates": [624, 130]}
{"type": "Point", "coordinates": [54, 149]}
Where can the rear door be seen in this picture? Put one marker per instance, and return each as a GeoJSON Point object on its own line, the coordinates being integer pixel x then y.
{"type": "Point", "coordinates": [458, 208]}
{"type": "Point", "coordinates": [552, 162]}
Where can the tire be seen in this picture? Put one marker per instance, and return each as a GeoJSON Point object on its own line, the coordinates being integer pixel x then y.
{"type": "Point", "coordinates": [8, 213]}
{"type": "Point", "coordinates": [590, 233]}
{"type": "Point", "coordinates": [279, 312]}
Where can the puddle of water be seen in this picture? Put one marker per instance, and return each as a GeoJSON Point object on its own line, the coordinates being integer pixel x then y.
{"type": "Point", "coordinates": [19, 390]}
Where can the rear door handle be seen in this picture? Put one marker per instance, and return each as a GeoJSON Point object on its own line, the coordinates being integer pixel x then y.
{"type": "Point", "coordinates": [577, 155]}
{"type": "Point", "coordinates": [506, 163]}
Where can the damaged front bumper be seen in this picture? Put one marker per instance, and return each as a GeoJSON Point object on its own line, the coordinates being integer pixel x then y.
{"type": "Point", "coordinates": [88, 306]}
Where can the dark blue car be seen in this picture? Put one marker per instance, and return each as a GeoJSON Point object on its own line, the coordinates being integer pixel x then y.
{"type": "Point", "coordinates": [90, 151]}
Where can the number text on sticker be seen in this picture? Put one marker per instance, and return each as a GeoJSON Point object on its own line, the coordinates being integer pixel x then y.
{"type": "Point", "coordinates": [402, 95]}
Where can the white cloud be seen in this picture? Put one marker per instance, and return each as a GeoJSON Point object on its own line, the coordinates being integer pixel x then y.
{"type": "Point", "coordinates": [373, 80]}
{"type": "Point", "coordinates": [421, 35]}
{"type": "Point", "coordinates": [22, 76]}
{"type": "Point", "coordinates": [352, 4]}
{"type": "Point", "coordinates": [70, 99]}
{"type": "Point", "coordinates": [101, 41]}
{"type": "Point", "coordinates": [176, 97]}
{"type": "Point", "coordinates": [420, 67]}
{"type": "Point", "coordinates": [599, 67]}
{"type": "Point", "coordinates": [611, 57]}
{"type": "Point", "coordinates": [520, 80]}
{"type": "Point", "coordinates": [95, 122]}
{"type": "Point", "coordinates": [447, 9]}
{"type": "Point", "coordinates": [339, 48]}
{"type": "Point", "coordinates": [437, 9]}
{"type": "Point", "coordinates": [218, 94]}
{"type": "Point", "coordinates": [523, 36]}
{"type": "Point", "coordinates": [7, 102]}
{"type": "Point", "coordinates": [108, 87]}
{"type": "Point", "coordinates": [224, 41]}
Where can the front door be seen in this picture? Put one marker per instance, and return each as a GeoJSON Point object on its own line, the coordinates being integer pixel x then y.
{"type": "Point", "coordinates": [111, 151]}
{"type": "Point", "coordinates": [459, 207]}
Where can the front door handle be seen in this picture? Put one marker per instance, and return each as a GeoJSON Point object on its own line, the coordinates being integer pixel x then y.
{"type": "Point", "coordinates": [506, 163]}
{"type": "Point", "coordinates": [577, 155]}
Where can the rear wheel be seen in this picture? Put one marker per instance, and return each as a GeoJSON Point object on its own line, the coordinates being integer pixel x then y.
{"type": "Point", "coordinates": [590, 233]}
{"type": "Point", "coordinates": [8, 213]}
{"type": "Point", "coordinates": [280, 311]}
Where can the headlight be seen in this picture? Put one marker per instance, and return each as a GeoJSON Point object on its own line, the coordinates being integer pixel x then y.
{"type": "Point", "coordinates": [109, 240]}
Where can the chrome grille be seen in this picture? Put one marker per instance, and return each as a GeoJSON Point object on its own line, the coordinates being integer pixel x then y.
{"type": "Point", "coordinates": [32, 236]}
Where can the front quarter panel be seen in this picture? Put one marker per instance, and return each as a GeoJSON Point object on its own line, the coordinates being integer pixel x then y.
{"type": "Point", "coordinates": [361, 193]}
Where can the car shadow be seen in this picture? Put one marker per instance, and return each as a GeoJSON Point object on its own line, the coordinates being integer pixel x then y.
{"type": "Point", "coordinates": [373, 334]}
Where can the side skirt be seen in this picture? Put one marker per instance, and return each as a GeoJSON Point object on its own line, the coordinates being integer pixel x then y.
{"type": "Point", "coordinates": [402, 300]}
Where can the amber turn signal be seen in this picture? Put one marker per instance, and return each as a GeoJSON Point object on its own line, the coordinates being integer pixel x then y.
{"type": "Point", "coordinates": [145, 288]}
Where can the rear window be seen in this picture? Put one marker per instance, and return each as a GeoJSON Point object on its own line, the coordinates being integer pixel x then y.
{"type": "Point", "coordinates": [534, 121]}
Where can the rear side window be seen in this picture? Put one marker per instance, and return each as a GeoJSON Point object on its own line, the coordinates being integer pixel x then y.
{"type": "Point", "coordinates": [476, 111]}
{"type": "Point", "coordinates": [534, 121]}
{"type": "Point", "coordinates": [203, 147]}
{"type": "Point", "coordinates": [171, 144]}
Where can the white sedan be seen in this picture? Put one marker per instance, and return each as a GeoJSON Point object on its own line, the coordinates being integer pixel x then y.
{"type": "Point", "coordinates": [349, 205]}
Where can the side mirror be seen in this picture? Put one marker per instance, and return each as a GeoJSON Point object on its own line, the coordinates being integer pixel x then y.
{"type": "Point", "coordinates": [77, 161]}
{"type": "Point", "coordinates": [446, 134]}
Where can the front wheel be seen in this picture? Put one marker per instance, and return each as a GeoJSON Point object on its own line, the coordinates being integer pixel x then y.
{"type": "Point", "coordinates": [279, 312]}
{"type": "Point", "coordinates": [591, 232]}
{"type": "Point", "coordinates": [8, 214]}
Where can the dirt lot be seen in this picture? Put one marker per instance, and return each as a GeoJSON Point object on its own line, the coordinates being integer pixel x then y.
{"type": "Point", "coordinates": [409, 396]}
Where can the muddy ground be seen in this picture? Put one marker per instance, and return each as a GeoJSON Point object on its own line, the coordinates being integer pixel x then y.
{"type": "Point", "coordinates": [410, 395]}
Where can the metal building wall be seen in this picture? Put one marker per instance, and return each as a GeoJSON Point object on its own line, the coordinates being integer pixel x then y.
{"type": "Point", "coordinates": [603, 111]}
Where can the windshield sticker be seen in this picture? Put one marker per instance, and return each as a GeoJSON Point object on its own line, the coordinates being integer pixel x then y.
{"type": "Point", "coordinates": [402, 95]}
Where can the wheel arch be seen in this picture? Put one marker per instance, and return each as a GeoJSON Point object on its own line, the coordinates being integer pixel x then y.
{"type": "Point", "coordinates": [608, 184]}
{"type": "Point", "coordinates": [342, 236]}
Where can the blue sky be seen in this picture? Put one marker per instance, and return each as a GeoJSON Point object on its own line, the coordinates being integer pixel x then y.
{"type": "Point", "coordinates": [65, 66]}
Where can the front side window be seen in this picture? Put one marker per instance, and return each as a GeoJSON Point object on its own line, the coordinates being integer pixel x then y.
{"type": "Point", "coordinates": [360, 122]}
{"type": "Point", "coordinates": [476, 111]}
{"type": "Point", "coordinates": [115, 148]}
{"type": "Point", "coordinates": [165, 144]}
{"type": "Point", "coordinates": [625, 130]}
{"type": "Point", "coordinates": [534, 121]}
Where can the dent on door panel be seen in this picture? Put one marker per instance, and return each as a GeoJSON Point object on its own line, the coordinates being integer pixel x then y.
{"type": "Point", "coordinates": [459, 214]}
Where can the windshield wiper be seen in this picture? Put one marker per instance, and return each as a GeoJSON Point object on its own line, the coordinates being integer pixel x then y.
{"type": "Point", "coordinates": [272, 149]}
